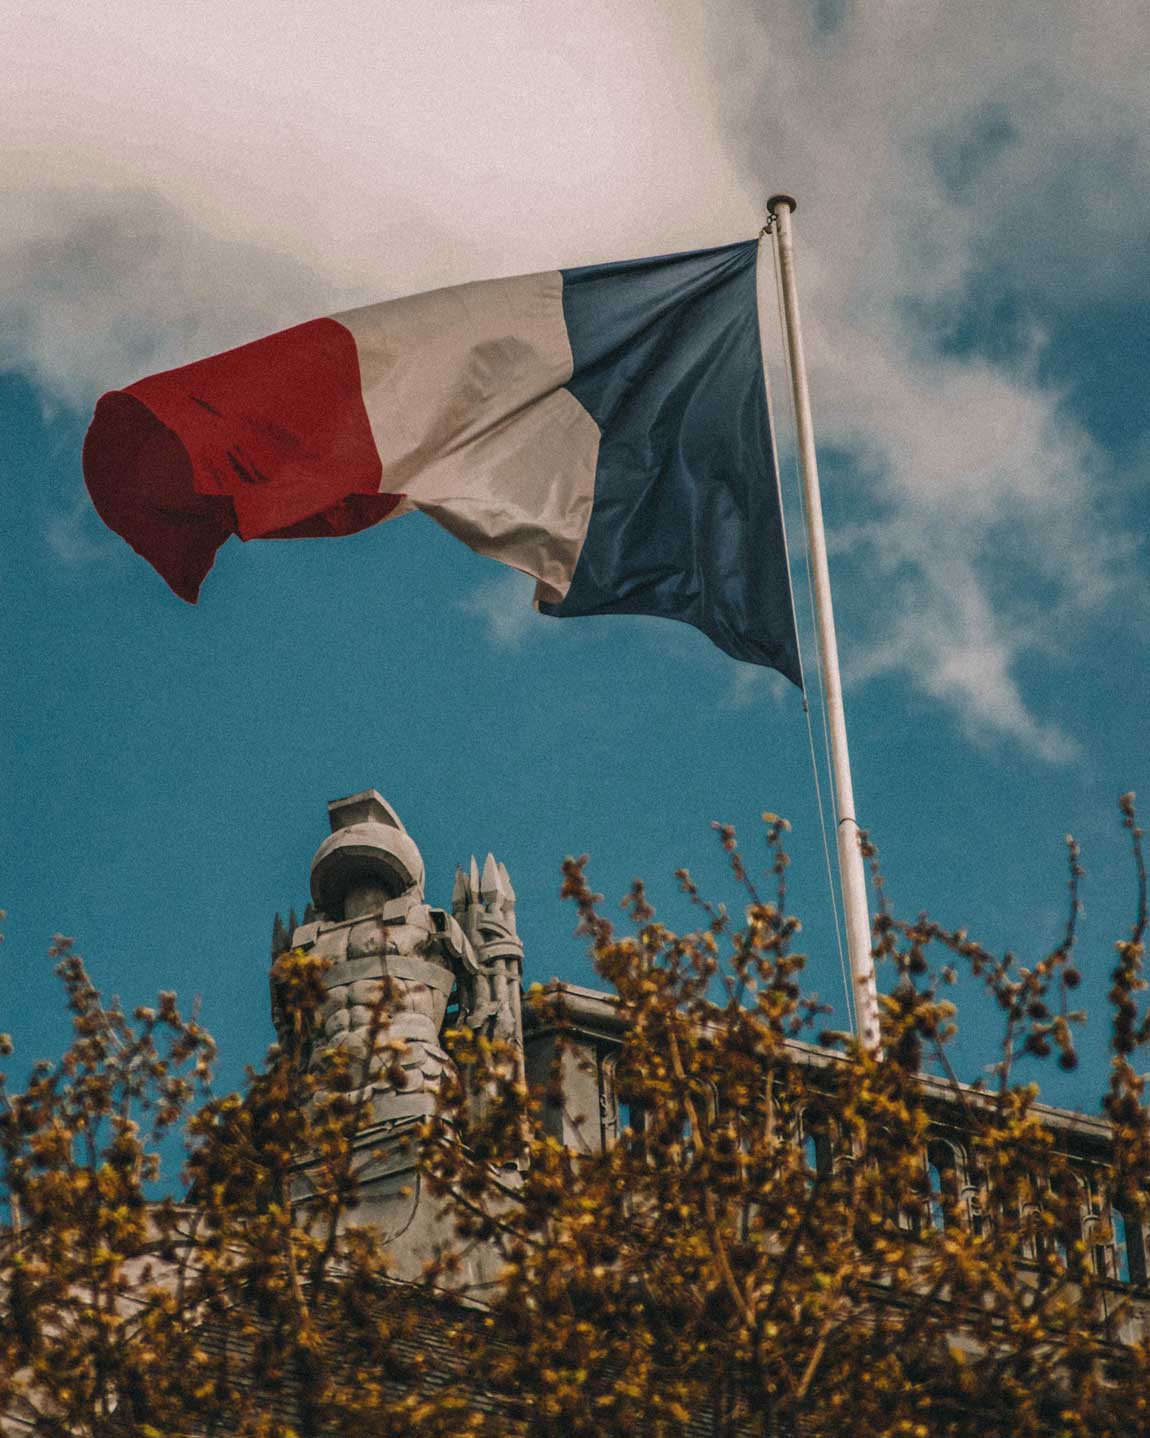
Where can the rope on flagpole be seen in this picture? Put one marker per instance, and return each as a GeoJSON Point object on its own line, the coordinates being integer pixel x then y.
{"type": "Point", "coordinates": [766, 231]}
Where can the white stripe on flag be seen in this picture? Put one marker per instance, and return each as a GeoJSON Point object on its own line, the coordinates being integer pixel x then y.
{"type": "Point", "coordinates": [463, 389]}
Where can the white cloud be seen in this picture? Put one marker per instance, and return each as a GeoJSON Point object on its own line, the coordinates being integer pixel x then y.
{"type": "Point", "coordinates": [961, 653]}
{"type": "Point", "coordinates": [76, 538]}
{"type": "Point", "coordinates": [97, 288]}
{"type": "Point", "coordinates": [232, 166]}
{"type": "Point", "coordinates": [750, 683]}
{"type": "Point", "coordinates": [505, 606]}
{"type": "Point", "coordinates": [935, 150]}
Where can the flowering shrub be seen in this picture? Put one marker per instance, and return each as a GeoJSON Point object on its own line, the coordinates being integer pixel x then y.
{"type": "Point", "coordinates": [783, 1239]}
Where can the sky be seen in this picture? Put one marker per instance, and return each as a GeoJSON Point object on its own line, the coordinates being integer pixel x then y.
{"type": "Point", "coordinates": [974, 204]}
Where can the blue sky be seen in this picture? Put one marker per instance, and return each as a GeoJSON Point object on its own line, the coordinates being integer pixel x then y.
{"type": "Point", "coordinates": [976, 290]}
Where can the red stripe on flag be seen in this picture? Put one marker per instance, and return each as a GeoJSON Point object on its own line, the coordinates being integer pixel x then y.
{"type": "Point", "coordinates": [270, 440]}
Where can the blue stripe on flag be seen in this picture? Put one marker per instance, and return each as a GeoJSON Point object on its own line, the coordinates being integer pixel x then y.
{"type": "Point", "coordinates": [686, 522]}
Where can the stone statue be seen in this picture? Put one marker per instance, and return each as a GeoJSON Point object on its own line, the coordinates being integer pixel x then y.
{"type": "Point", "coordinates": [396, 962]}
{"type": "Point", "coordinates": [491, 991]}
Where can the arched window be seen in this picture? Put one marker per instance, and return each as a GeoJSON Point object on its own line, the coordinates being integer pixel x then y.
{"type": "Point", "coordinates": [629, 1116]}
{"type": "Point", "coordinates": [942, 1183]}
{"type": "Point", "coordinates": [1129, 1245]}
{"type": "Point", "coordinates": [816, 1138]}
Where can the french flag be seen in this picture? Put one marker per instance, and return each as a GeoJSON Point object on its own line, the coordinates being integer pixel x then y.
{"type": "Point", "coordinates": [604, 429]}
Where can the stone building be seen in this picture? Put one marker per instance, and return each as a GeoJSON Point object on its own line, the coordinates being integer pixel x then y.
{"type": "Point", "coordinates": [464, 963]}
{"type": "Point", "coordinates": [393, 955]}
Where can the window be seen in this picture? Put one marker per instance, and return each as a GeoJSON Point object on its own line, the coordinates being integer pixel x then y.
{"type": "Point", "coordinates": [630, 1117]}
{"type": "Point", "coordinates": [942, 1184]}
{"type": "Point", "coordinates": [816, 1140]}
{"type": "Point", "coordinates": [937, 1199]}
{"type": "Point", "coordinates": [617, 1114]}
{"type": "Point", "coordinates": [1129, 1246]}
{"type": "Point", "coordinates": [630, 1124]}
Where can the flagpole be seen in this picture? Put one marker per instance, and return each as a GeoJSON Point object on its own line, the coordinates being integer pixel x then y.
{"type": "Point", "coordinates": [851, 872]}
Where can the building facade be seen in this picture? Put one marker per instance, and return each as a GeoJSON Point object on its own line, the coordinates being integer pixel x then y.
{"type": "Point", "coordinates": [463, 964]}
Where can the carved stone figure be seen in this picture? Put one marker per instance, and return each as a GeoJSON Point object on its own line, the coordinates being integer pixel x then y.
{"type": "Point", "coordinates": [396, 962]}
{"type": "Point", "coordinates": [490, 993]}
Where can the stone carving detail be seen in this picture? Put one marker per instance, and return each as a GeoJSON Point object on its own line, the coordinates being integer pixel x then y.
{"type": "Point", "coordinates": [490, 991]}
{"type": "Point", "coordinates": [391, 950]}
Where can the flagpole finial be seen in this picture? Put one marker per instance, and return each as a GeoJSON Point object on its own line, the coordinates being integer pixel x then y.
{"type": "Point", "coordinates": [776, 200]}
